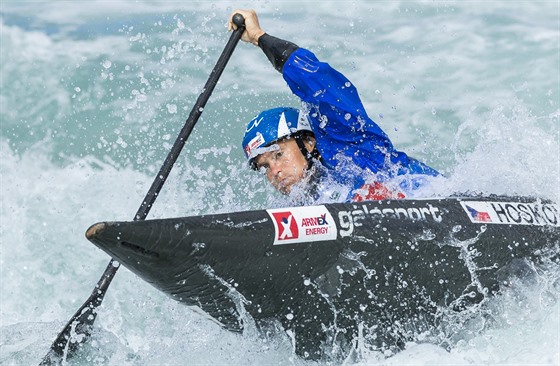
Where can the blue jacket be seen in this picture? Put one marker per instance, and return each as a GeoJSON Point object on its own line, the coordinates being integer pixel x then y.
{"type": "Point", "coordinates": [343, 130]}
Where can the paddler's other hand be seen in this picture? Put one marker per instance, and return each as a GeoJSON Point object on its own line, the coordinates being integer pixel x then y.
{"type": "Point", "coordinates": [252, 28]}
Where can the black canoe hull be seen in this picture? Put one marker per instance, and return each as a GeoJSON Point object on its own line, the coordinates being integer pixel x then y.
{"type": "Point", "coordinates": [326, 271]}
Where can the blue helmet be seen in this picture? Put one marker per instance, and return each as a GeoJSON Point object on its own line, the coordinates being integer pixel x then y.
{"type": "Point", "coordinates": [270, 126]}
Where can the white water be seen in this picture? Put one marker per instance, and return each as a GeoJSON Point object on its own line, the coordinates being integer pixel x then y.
{"type": "Point", "coordinates": [93, 94]}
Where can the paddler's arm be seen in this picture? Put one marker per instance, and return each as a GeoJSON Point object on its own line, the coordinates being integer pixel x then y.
{"type": "Point", "coordinates": [306, 75]}
{"type": "Point", "coordinates": [276, 50]}
{"type": "Point", "coordinates": [314, 82]}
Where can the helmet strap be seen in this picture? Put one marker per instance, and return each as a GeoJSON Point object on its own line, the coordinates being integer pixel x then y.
{"type": "Point", "coordinates": [309, 155]}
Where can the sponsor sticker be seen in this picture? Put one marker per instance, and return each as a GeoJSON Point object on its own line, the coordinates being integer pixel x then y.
{"type": "Point", "coordinates": [512, 213]}
{"type": "Point", "coordinates": [302, 224]}
{"type": "Point", "coordinates": [348, 220]}
{"type": "Point", "coordinates": [257, 141]}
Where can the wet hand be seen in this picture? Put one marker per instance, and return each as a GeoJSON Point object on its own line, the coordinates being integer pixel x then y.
{"type": "Point", "coordinates": [252, 28]}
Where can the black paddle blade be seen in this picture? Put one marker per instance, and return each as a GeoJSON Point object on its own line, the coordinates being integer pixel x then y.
{"type": "Point", "coordinates": [79, 327]}
{"type": "Point", "coordinates": [68, 341]}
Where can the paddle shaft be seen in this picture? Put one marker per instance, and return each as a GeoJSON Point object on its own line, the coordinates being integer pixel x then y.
{"type": "Point", "coordinates": [78, 328]}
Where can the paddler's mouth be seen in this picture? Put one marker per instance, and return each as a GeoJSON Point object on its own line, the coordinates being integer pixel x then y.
{"type": "Point", "coordinates": [283, 186]}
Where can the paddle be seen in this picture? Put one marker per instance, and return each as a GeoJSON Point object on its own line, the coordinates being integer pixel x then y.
{"type": "Point", "coordinates": [79, 327]}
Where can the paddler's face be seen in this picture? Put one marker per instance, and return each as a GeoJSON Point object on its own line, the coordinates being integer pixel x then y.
{"type": "Point", "coordinates": [285, 165]}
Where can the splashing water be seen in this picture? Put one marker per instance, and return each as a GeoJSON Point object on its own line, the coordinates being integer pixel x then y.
{"type": "Point", "coordinates": [92, 95]}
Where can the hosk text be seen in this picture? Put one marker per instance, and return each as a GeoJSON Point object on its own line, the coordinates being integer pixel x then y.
{"type": "Point", "coordinates": [512, 213]}
{"type": "Point", "coordinates": [520, 213]}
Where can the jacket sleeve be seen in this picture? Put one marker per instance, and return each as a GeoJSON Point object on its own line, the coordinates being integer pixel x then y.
{"type": "Point", "coordinates": [336, 112]}
{"type": "Point", "coordinates": [276, 50]}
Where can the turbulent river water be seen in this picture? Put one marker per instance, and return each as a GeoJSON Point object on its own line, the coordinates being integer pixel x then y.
{"type": "Point", "coordinates": [92, 95]}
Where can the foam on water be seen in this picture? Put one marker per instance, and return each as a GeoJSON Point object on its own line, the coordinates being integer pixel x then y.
{"type": "Point", "coordinates": [93, 95]}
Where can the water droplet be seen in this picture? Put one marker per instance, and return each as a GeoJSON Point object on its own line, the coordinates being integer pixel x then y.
{"type": "Point", "coordinates": [172, 108]}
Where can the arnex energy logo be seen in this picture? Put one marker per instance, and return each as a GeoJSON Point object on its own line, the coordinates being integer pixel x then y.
{"type": "Point", "coordinates": [315, 225]}
{"type": "Point", "coordinates": [302, 224]}
{"type": "Point", "coordinates": [512, 213]}
{"type": "Point", "coordinates": [286, 224]}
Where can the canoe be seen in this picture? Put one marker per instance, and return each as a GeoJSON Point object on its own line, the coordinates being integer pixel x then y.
{"type": "Point", "coordinates": [378, 271]}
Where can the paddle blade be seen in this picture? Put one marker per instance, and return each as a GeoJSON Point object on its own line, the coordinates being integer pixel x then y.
{"type": "Point", "coordinates": [80, 326]}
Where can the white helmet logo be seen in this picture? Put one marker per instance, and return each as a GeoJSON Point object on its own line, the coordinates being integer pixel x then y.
{"type": "Point", "coordinates": [256, 123]}
{"type": "Point", "coordinates": [283, 129]}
